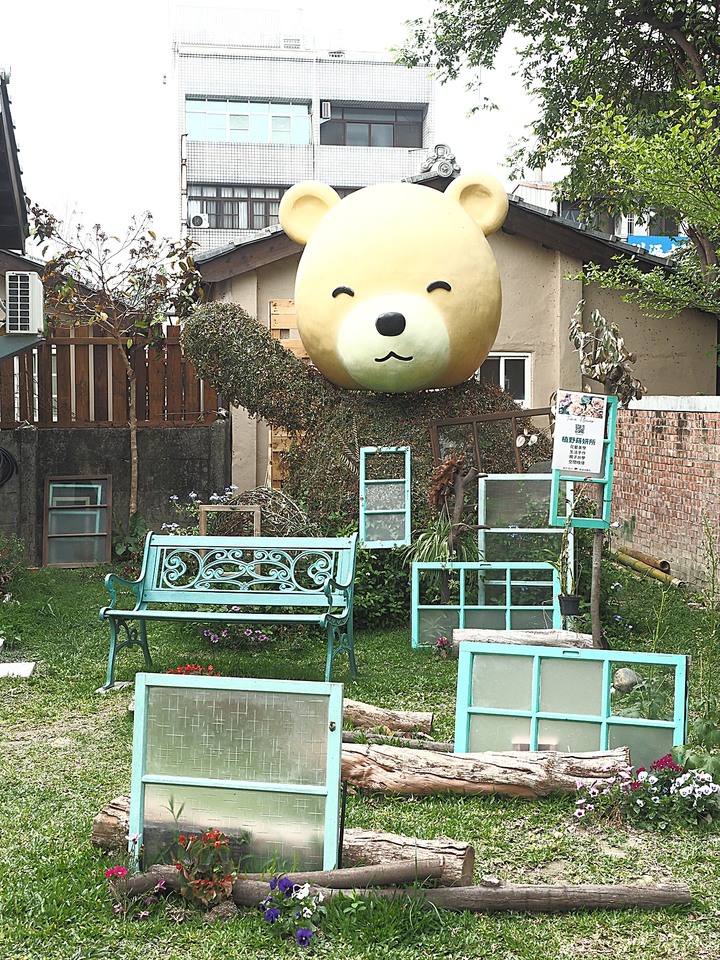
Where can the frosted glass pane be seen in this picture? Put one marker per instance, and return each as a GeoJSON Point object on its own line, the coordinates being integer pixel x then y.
{"type": "Point", "coordinates": [76, 549]}
{"type": "Point", "coordinates": [646, 743]}
{"type": "Point", "coordinates": [287, 827]}
{"type": "Point", "coordinates": [498, 733]}
{"type": "Point", "coordinates": [523, 502]}
{"type": "Point", "coordinates": [493, 619]}
{"type": "Point", "coordinates": [88, 520]}
{"type": "Point", "coordinates": [436, 623]}
{"type": "Point", "coordinates": [502, 682]}
{"type": "Point", "coordinates": [531, 619]}
{"type": "Point", "coordinates": [237, 735]}
{"type": "Point", "coordinates": [385, 496]}
{"type": "Point", "coordinates": [571, 687]}
{"type": "Point", "coordinates": [385, 526]}
{"type": "Point", "coordinates": [568, 736]}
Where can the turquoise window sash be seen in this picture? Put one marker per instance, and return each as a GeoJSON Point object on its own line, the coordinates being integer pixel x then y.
{"type": "Point", "coordinates": [145, 682]}
{"type": "Point", "coordinates": [504, 578]}
{"type": "Point", "coordinates": [365, 484]}
{"type": "Point", "coordinates": [606, 720]}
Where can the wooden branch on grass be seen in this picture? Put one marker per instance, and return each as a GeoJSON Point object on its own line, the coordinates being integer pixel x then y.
{"type": "Point", "coordinates": [353, 736]}
{"type": "Point", "coordinates": [521, 897]}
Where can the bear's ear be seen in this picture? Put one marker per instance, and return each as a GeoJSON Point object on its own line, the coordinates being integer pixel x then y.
{"type": "Point", "coordinates": [483, 198]}
{"type": "Point", "coordinates": [302, 208]}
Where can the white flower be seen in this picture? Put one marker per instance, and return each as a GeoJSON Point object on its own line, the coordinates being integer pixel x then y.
{"type": "Point", "coordinates": [302, 891]}
{"type": "Point", "coordinates": [640, 803]}
{"type": "Point", "coordinates": [192, 495]}
{"type": "Point", "coordinates": [655, 799]}
{"type": "Point", "coordinates": [307, 912]}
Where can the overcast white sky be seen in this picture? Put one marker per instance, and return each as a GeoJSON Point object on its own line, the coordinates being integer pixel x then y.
{"type": "Point", "coordinates": [94, 107]}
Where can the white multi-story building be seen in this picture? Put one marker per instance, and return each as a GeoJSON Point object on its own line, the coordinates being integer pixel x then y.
{"type": "Point", "coordinates": [262, 107]}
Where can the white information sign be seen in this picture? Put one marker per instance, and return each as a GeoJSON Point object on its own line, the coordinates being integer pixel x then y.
{"type": "Point", "coordinates": [579, 432]}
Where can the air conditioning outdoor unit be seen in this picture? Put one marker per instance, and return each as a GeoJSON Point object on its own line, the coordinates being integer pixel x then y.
{"type": "Point", "coordinates": [200, 221]}
{"type": "Point", "coordinates": [325, 109]}
{"type": "Point", "coordinates": [23, 303]}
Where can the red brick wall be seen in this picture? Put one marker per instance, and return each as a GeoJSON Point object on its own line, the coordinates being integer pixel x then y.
{"type": "Point", "coordinates": [667, 474]}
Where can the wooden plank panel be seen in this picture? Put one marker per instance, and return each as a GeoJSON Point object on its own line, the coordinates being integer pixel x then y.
{"type": "Point", "coordinates": [7, 392]}
{"type": "Point", "coordinates": [45, 398]}
{"type": "Point", "coordinates": [173, 349]}
{"type": "Point", "coordinates": [156, 385]}
{"type": "Point", "coordinates": [81, 351]}
{"type": "Point", "coordinates": [100, 378]}
{"type": "Point", "coordinates": [210, 401]}
{"type": "Point", "coordinates": [191, 391]}
{"type": "Point", "coordinates": [61, 341]}
{"type": "Point", "coordinates": [25, 387]}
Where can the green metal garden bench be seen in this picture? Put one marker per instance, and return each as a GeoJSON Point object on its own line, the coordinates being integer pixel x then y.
{"type": "Point", "coordinates": [303, 580]}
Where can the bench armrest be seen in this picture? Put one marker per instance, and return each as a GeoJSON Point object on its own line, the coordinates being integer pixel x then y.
{"type": "Point", "coordinates": [332, 586]}
{"type": "Point", "coordinates": [112, 581]}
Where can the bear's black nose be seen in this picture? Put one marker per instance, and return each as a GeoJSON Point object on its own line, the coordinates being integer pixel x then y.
{"type": "Point", "coordinates": [390, 324]}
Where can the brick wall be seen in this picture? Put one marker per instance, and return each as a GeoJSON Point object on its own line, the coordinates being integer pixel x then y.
{"type": "Point", "coordinates": [667, 475]}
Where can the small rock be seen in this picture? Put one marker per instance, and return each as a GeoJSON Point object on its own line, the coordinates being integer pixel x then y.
{"type": "Point", "coordinates": [227, 910]}
{"type": "Point", "coordinates": [489, 881]}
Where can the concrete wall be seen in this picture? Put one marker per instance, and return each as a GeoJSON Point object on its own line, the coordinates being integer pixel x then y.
{"type": "Point", "coordinates": [667, 480]}
{"type": "Point", "coordinates": [171, 461]}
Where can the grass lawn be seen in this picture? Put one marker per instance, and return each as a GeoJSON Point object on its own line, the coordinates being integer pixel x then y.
{"type": "Point", "coordinates": [66, 751]}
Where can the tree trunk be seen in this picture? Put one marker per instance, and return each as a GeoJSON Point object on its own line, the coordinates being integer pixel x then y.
{"type": "Point", "coordinates": [544, 638]}
{"type": "Point", "coordinates": [132, 424]}
{"type": "Point", "coordinates": [520, 774]}
{"type": "Point", "coordinates": [368, 717]}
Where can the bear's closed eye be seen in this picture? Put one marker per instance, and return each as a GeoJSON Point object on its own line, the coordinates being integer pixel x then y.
{"type": "Point", "coordinates": [438, 285]}
{"type": "Point", "coordinates": [338, 290]}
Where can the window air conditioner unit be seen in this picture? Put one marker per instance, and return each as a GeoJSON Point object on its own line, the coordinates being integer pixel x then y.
{"type": "Point", "coordinates": [200, 221]}
{"type": "Point", "coordinates": [24, 312]}
{"type": "Point", "coordinates": [325, 109]}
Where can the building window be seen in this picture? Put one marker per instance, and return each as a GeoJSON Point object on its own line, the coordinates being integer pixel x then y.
{"type": "Point", "coordinates": [510, 372]}
{"type": "Point", "coordinates": [372, 127]}
{"type": "Point", "coordinates": [77, 531]}
{"type": "Point", "coordinates": [247, 121]}
{"type": "Point", "coordinates": [234, 208]}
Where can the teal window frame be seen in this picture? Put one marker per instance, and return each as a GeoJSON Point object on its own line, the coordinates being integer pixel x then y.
{"type": "Point", "coordinates": [550, 532]}
{"type": "Point", "coordinates": [465, 709]}
{"type": "Point", "coordinates": [329, 792]}
{"type": "Point", "coordinates": [367, 484]}
{"type": "Point", "coordinates": [605, 480]}
{"type": "Point", "coordinates": [504, 576]}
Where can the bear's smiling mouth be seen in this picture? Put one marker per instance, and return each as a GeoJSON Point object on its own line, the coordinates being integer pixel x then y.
{"type": "Point", "coordinates": [392, 354]}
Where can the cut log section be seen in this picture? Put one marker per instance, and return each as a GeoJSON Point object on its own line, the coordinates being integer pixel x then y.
{"type": "Point", "coordinates": [389, 769]}
{"type": "Point", "coordinates": [375, 847]}
{"type": "Point", "coordinates": [367, 847]}
{"type": "Point", "coordinates": [352, 736]}
{"type": "Point", "coordinates": [368, 717]}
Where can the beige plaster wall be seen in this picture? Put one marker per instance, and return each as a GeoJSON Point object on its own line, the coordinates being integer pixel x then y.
{"type": "Point", "coordinates": [537, 305]}
{"type": "Point", "coordinates": [673, 355]}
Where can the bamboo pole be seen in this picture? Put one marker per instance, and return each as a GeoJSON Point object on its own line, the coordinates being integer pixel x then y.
{"type": "Point", "coordinates": [663, 565]}
{"type": "Point", "coordinates": [647, 570]}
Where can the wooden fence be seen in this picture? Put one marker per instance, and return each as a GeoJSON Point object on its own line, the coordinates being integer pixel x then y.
{"type": "Point", "coordinates": [77, 378]}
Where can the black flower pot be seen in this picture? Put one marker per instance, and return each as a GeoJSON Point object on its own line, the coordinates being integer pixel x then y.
{"type": "Point", "coordinates": [569, 605]}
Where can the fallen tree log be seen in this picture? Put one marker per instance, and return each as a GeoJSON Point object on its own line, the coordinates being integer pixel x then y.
{"type": "Point", "coordinates": [368, 717]}
{"type": "Point", "coordinates": [369, 847]}
{"type": "Point", "coordinates": [545, 638]}
{"type": "Point", "coordinates": [375, 847]}
{"type": "Point", "coordinates": [521, 897]}
{"type": "Point", "coordinates": [389, 769]}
